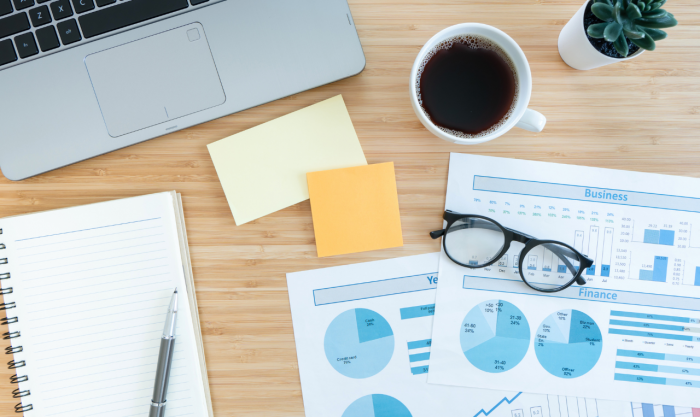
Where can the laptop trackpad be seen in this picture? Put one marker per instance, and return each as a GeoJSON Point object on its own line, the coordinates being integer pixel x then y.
{"type": "Point", "coordinates": [155, 80]}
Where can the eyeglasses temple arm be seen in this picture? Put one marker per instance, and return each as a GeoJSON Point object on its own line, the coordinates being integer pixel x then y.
{"type": "Point", "coordinates": [437, 233]}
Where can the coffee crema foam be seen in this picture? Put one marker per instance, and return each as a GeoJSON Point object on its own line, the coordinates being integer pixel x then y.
{"type": "Point", "coordinates": [474, 42]}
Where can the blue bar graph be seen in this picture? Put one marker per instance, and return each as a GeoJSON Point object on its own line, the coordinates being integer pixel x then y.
{"type": "Point", "coordinates": [647, 325]}
{"type": "Point", "coordinates": [562, 269]}
{"type": "Point", "coordinates": [660, 317]}
{"type": "Point", "coordinates": [648, 410]}
{"type": "Point", "coordinates": [658, 274]}
{"type": "Point", "coordinates": [590, 270]}
{"type": "Point", "coordinates": [666, 238]}
{"type": "Point", "coordinates": [659, 237]}
{"type": "Point", "coordinates": [656, 380]}
{"type": "Point", "coordinates": [417, 311]}
{"type": "Point", "coordinates": [418, 344]}
{"type": "Point", "coordinates": [658, 356]}
{"type": "Point", "coordinates": [669, 411]}
{"type": "Point", "coordinates": [417, 357]}
{"type": "Point", "coordinates": [605, 271]}
{"type": "Point", "coordinates": [657, 368]}
{"type": "Point", "coordinates": [651, 236]}
{"type": "Point", "coordinates": [419, 370]}
{"type": "Point", "coordinates": [697, 276]}
{"type": "Point", "coordinates": [660, 268]}
{"type": "Point", "coordinates": [655, 335]}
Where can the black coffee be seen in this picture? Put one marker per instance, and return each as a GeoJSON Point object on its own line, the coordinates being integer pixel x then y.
{"type": "Point", "coordinates": [467, 86]}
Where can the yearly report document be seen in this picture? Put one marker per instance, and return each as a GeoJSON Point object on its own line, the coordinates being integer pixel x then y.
{"type": "Point", "coordinates": [632, 333]}
{"type": "Point", "coordinates": [363, 341]}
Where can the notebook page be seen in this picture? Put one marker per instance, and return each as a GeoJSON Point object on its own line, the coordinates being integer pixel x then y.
{"type": "Point", "coordinates": [92, 286]}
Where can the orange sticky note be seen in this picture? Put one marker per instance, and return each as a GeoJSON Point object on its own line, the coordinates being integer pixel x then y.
{"type": "Point", "coordinates": [355, 209]}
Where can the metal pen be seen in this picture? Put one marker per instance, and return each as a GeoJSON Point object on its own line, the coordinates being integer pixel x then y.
{"type": "Point", "coordinates": [165, 359]}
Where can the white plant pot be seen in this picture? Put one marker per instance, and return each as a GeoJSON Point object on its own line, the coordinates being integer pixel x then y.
{"type": "Point", "coordinates": [577, 51]}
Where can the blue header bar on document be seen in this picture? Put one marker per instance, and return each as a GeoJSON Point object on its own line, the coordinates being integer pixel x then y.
{"type": "Point", "coordinates": [584, 193]}
{"type": "Point", "coordinates": [375, 289]}
{"type": "Point", "coordinates": [585, 292]}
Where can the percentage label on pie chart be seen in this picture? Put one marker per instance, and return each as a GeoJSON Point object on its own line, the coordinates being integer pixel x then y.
{"type": "Point", "coordinates": [377, 405]}
{"type": "Point", "coordinates": [568, 343]}
{"type": "Point", "coordinates": [495, 336]}
{"type": "Point", "coordinates": [359, 343]}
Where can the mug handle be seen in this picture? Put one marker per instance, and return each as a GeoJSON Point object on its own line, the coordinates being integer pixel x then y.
{"type": "Point", "coordinates": [533, 121]}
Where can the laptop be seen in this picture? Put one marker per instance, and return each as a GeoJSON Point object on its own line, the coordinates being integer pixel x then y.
{"type": "Point", "coordinates": [80, 78]}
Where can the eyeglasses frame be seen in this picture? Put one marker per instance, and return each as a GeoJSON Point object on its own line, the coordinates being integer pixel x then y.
{"type": "Point", "coordinates": [511, 235]}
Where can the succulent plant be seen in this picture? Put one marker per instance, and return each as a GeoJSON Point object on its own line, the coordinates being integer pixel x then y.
{"type": "Point", "coordinates": [640, 21]}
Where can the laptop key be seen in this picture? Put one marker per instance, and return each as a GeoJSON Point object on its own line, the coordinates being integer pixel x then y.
{"type": "Point", "coordinates": [61, 9]}
{"type": "Point", "coordinates": [102, 3]}
{"type": "Point", "coordinates": [47, 38]}
{"type": "Point", "coordinates": [7, 52]}
{"type": "Point", "coordinates": [68, 30]}
{"type": "Point", "coordinates": [82, 6]}
{"type": "Point", "coordinates": [5, 7]}
{"type": "Point", "coordinates": [40, 16]}
{"type": "Point", "coordinates": [125, 14]}
{"type": "Point", "coordinates": [196, 2]}
{"type": "Point", "coordinates": [23, 4]}
{"type": "Point", "coordinates": [26, 46]}
{"type": "Point", "coordinates": [13, 24]}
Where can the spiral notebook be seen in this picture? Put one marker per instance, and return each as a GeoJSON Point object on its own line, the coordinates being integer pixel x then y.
{"type": "Point", "coordinates": [85, 292]}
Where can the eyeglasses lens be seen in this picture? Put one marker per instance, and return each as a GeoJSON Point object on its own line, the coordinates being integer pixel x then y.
{"type": "Point", "coordinates": [550, 265]}
{"type": "Point", "coordinates": [473, 241]}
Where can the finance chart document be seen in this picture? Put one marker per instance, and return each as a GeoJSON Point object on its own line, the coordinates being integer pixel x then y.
{"type": "Point", "coordinates": [632, 333]}
{"type": "Point", "coordinates": [363, 342]}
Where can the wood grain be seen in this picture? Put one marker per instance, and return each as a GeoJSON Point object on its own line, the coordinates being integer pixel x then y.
{"type": "Point", "coordinates": [641, 115]}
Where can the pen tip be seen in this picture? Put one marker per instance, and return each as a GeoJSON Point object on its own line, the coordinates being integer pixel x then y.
{"type": "Point", "coordinates": [175, 290]}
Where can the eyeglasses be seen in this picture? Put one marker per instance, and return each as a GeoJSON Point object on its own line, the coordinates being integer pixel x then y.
{"type": "Point", "coordinates": [475, 241]}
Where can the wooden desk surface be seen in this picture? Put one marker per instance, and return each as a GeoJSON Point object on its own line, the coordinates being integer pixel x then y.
{"type": "Point", "coordinates": [641, 115]}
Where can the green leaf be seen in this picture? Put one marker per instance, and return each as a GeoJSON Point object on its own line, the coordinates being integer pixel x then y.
{"type": "Point", "coordinates": [597, 30]}
{"type": "Point", "coordinates": [665, 22]}
{"type": "Point", "coordinates": [641, 5]}
{"type": "Point", "coordinates": [655, 14]}
{"type": "Point", "coordinates": [603, 11]}
{"type": "Point", "coordinates": [633, 34]}
{"type": "Point", "coordinates": [633, 11]}
{"type": "Point", "coordinates": [654, 6]}
{"type": "Point", "coordinates": [645, 43]}
{"type": "Point", "coordinates": [618, 12]}
{"type": "Point", "coordinates": [612, 32]}
{"type": "Point", "coordinates": [655, 34]}
{"type": "Point", "coordinates": [621, 45]}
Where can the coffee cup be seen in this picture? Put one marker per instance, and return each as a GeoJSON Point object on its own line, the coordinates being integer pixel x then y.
{"type": "Point", "coordinates": [519, 115]}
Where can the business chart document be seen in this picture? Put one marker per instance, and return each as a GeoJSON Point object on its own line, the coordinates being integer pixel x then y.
{"type": "Point", "coordinates": [632, 333]}
{"type": "Point", "coordinates": [363, 337]}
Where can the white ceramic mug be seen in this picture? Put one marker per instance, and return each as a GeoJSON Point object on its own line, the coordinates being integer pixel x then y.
{"type": "Point", "coordinates": [521, 117]}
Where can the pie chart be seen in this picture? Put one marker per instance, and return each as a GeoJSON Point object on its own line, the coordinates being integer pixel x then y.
{"type": "Point", "coordinates": [495, 336]}
{"type": "Point", "coordinates": [377, 405]}
{"type": "Point", "coordinates": [359, 343]}
{"type": "Point", "coordinates": [568, 344]}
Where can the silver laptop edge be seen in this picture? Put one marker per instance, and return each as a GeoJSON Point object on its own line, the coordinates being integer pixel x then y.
{"type": "Point", "coordinates": [167, 75]}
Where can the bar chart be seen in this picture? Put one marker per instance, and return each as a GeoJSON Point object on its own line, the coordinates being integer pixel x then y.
{"type": "Point", "coordinates": [657, 271]}
{"type": "Point", "coordinates": [659, 237]}
{"type": "Point", "coordinates": [660, 332]}
{"type": "Point", "coordinates": [658, 410]}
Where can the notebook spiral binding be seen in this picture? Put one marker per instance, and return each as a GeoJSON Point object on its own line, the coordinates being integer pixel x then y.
{"type": "Point", "coordinates": [11, 350]}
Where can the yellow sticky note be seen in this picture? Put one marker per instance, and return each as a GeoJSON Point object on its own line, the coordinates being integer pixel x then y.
{"type": "Point", "coordinates": [263, 169]}
{"type": "Point", "coordinates": [355, 209]}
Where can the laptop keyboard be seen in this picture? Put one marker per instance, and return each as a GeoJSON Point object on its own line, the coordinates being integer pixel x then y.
{"type": "Point", "coordinates": [30, 28]}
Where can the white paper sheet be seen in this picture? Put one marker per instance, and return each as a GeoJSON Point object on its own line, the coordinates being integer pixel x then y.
{"type": "Point", "coordinates": [92, 285]}
{"type": "Point", "coordinates": [632, 333]}
{"type": "Point", "coordinates": [363, 342]}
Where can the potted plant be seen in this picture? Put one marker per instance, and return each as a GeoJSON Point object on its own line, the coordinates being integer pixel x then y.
{"type": "Point", "coordinates": [603, 32]}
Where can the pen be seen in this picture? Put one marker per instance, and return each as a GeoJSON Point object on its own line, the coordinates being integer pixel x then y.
{"type": "Point", "coordinates": [165, 359]}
